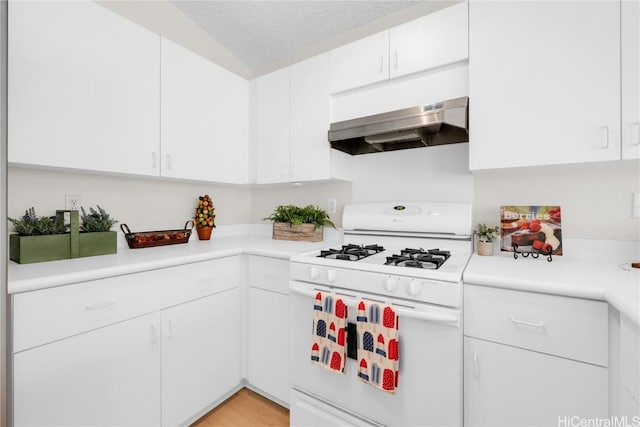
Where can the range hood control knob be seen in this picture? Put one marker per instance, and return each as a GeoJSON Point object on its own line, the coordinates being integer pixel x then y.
{"type": "Point", "coordinates": [314, 273]}
{"type": "Point", "coordinates": [391, 284]}
{"type": "Point", "coordinates": [413, 288]}
{"type": "Point", "coordinates": [331, 276]}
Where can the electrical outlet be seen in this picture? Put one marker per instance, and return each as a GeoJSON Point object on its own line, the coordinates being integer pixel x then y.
{"type": "Point", "coordinates": [332, 206]}
{"type": "Point", "coordinates": [72, 202]}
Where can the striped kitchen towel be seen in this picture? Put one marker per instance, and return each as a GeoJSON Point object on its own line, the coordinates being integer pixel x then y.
{"type": "Point", "coordinates": [378, 357]}
{"type": "Point", "coordinates": [328, 348]}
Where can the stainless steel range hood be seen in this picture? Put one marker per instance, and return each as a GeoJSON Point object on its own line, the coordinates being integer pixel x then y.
{"type": "Point", "coordinates": [437, 124]}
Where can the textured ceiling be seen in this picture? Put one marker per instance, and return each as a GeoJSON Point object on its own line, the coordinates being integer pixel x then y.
{"type": "Point", "coordinates": [260, 32]}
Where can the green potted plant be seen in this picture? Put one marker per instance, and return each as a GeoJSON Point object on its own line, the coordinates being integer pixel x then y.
{"type": "Point", "coordinates": [43, 238]}
{"type": "Point", "coordinates": [292, 222]}
{"type": "Point", "coordinates": [485, 235]}
{"type": "Point", "coordinates": [205, 218]}
{"type": "Point", "coordinates": [96, 237]}
{"type": "Point", "coordinates": [38, 238]}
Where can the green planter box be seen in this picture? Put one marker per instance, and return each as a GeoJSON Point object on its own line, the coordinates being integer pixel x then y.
{"type": "Point", "coordinates": [30, 249]}
{"type": "Point", "coordinates": [92, 244]}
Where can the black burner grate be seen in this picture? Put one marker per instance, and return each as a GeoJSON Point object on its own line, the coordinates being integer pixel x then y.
{"type": "Point", "coordinates": [351, 252]}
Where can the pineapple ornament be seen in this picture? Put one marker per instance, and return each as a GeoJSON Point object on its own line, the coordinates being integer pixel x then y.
{"type": "Point", "coordinates": [205, 218]}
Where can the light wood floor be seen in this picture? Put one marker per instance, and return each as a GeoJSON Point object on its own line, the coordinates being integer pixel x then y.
{"type": "Point", "coordinates": [246, 409]}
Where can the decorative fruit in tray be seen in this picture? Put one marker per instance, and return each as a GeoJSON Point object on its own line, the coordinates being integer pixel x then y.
{"type": "Point", "coordinates": [147, 239]}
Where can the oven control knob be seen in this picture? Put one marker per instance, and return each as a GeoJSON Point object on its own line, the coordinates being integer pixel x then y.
{"type": "Point", "coordinates": [391, 284]}
{"type": "Point", "coordinates": [413, 288]}
{"type": "Point", "coordinates": [314, 273]}
{"type": "Point", "coordinates": [331, 276]}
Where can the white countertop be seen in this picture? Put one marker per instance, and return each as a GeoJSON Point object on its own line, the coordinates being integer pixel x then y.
{"type": "Point", "coordinates": [593, 269]}
{"type": "Point", "coordinates": [253, 239]}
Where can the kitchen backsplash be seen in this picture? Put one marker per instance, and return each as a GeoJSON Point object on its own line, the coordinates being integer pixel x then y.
{"type": "Point", "coordinates": [595, 199]}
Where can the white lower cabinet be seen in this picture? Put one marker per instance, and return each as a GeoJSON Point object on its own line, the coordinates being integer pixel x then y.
{"type": "Point", "coordinates": [154, 348]}
{"type": "Point", "coordinates": [268, 344]}
{"type": "Point", "coordinates": [200, 355]}
{"type": "Point", "coordinates": [110, 376]}
{"type": "Point", "coordinates": [533, 359]}
{"type": "Point", "coordinates": [510, 386]}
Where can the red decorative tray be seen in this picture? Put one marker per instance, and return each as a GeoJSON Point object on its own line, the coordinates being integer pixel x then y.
{"type": "Point", "coordinates": [149, 239]}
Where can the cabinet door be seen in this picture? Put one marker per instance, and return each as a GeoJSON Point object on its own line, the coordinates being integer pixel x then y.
{"type": "Point", "coordinates": [205, 118]}
{"type": "Point", "coordinates": [509, 386]}
{"type": "Point", "coordinates": [84, 88]}
{"type": "Point", "coordinates": [544, 83]}
{"type": "Point", "coordinates": [434, 40]}
{"type": "Point", "coordinates": [269, 342]}
{"type": "Point", "coordinates": [110, 376]}
{"type": "Point", "coordinates": [360, 63]}
{"type": "Point", "coordinates": [272, 122]}
{"type": "Point", "coordinates": [630, 15]}
{"type": "Point", "coordinates": [310, 149]}
{"type": "Point", "coordinates": [200, 355]}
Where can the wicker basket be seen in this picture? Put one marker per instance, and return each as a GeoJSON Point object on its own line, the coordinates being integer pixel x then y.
{"type": "Point", "coordinates": [149, 239]}
{"type": "Point", "coordinates": [297, 232]}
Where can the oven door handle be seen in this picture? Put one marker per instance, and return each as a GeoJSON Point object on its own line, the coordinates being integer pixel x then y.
{"type": "Point", "coordinates": [431, 316]}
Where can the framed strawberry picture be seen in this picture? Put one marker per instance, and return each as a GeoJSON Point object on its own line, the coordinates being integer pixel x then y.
{"type": "Point", "coordinates": [531, 228]}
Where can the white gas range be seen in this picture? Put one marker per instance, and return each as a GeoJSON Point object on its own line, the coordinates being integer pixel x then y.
{"type": "Point", "coordinates": [410, 256]}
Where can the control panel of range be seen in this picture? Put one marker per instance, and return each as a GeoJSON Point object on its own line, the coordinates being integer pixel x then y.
{"type": "Point", "coordinates": [396, 286]}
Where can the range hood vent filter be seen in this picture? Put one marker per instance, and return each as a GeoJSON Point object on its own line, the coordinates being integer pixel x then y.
{"type": "Point", "coordinates": [437, 124]}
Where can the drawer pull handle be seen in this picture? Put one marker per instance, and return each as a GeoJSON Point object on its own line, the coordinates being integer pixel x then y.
{"type": "Point", "coordinates": [635, 133]}
{"type": "Point", "coordinates": [522, 322]}
{"type": "Point", "coordinates": [604, 136]}
{"type": "Point", "coordinates": [170, 328]}
{"type": "Point", "coordinates": [154, 334]}
{"type": "Point", "coordinates": [101, 304]}
{"type": "Point", "coordinates": [476, 366]}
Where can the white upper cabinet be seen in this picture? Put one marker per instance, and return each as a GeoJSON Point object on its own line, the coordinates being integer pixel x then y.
{"type": "Point", "coordinates": [272, 121]}
{"type": "Point", "coordinates": [630, 15]}
{"type": "Point", "coordinates": [83, 89]}
{"type": "Point", "coordinates": [360, 63]}
{"type": "Point", "coordinates": [293, 118]}
{"type": "Point", "coordinates": [544, 83]}
{"type": "Point", "coordinates": [310, 150]}
{"type": "Point", "coordinates": [434, 40]}
{"type": "Point", "coordinates": [205, 118]}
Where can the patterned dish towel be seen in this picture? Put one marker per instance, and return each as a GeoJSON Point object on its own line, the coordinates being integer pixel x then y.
{"type": "Point", "coordinates": [378, 345]}
{"type": "Point", "coordinates": [329, 332]}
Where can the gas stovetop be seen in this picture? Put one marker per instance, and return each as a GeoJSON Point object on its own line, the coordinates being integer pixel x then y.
{"type": "Point", "coordinates": [411, 251]}
{"type": "Point", "coordinates": [407, 257]}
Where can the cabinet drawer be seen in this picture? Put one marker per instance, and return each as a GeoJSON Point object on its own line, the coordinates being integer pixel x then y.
{"type": "Point", "coordinates": [51, 314]}
{"type": "Point", "coordinates": [569, 327]}
{"type": "Point", "coordinates": [190, 281]}
{"type": "Point", "coordinates": [269, 273]}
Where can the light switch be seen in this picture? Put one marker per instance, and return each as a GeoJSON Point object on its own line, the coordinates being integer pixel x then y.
{"type": "Point", "coordinates": [635, 213]}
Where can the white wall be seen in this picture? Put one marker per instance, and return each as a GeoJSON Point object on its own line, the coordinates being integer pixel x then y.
{"type": "Point", "coordinates": [265, 200]}
{"type": "Point", "coordinates": [438, 173]}
{"type": "Point", "coordinates": [595, 199]}
{"type": "Point", "coordinates": [142, 203]}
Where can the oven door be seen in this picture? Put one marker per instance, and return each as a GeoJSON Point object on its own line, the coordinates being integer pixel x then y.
{"type": "Point", "coordinates": [430, 380]}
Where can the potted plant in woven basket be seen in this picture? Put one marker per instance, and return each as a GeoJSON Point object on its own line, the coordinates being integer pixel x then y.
{"type": "Point", "coordinates": [485, 235]}
{"type": "Point", "coordinates": [299, 223]}
{"type": "Point", "coordinates": [205, 218]}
